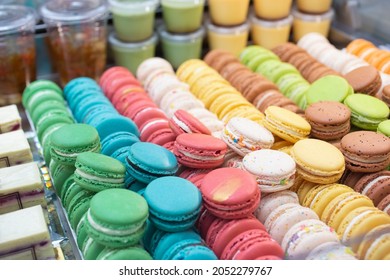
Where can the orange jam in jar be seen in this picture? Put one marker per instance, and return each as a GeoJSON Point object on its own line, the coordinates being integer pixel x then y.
{"type": "Point", "coordinates": [77, 37]}
{"type": "Point", "coordinates": [17, 52]}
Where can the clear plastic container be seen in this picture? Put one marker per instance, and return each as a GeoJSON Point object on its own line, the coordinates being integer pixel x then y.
{"type": "Point", "coordinates": [17, 52]}
{"type": "Point", "coordinates": [273, 9]}
{"type": "Point", "coordinates": [182, 16]}
{"type": "Point", "coordinates": [178, 48]}
{"type": "Point", "coordinates": [131, 55]}
{"type": "Point", "coordinates": [228, 12]}
{"type": "Point", "coordinates": [77, 40]}
{"type": "Point", "coordinates": [270, 34]}
{"type": "Point", "coordinates": [232, 39]}
{"type": "Point", "coordinates": [133, 20]}
{"type": "Point", "coordinates": [307, 23]}
{"type": "Point", "coordinates": [314, 7]}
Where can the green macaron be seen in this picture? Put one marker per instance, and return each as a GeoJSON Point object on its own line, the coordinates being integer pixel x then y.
{"type": "Point", "coordinates": [78, 206]}
{"type": "Point", "coordinates": [96, 172]}
{"type": "Point", "coordinates": [47, 106]}
{"type": "Point", "coordinates": [250, 52]}
{"type": "Point", "coordinates": [329, 88]}
{"type": "Point", "coordinates": [117, 218]}
{"type": "Point", "coordinates": [81, 232]}
{"type": "Point", "coordinates": [69, 141]}
{"type": "Point", "coordinates": [384, 128]}
{"type": "Point", "coordinates": [367, 112]}
{"type": "Point", "coordinates": [130, 253]}
{"type": "Point", "coordinates": [91, 249]}
{"type": "Point", "coordinates": [47, 122]}
{"type": "Point", "coordinates": [59, 174]}
{"type": "Point", "coordinates": [36, 88]}
{"type": "Point", "coordinates": [71, 191]}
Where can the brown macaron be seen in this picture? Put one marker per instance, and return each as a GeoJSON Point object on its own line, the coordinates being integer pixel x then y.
{"type": "Point", "coordinates": [329, 120]}
{"type": "Point", "coordinates": [232, 68]}
{"type": "Point", "coordinates": [251, 92]}
{"type": "Point", "coordinates": [374, 185]}
{"type": "Point", "coordinates": [365, 79]}
{"type": "Point", "coordinates": [213, 54]}
{"type": "Point", "coordinates": [350, 178]}
{"type": "Point", "coordinates": [384, 205]}
{"type": "Point", "coordinates": [366, 151]}
{"type": "Point", "coordinates": [386, 94]}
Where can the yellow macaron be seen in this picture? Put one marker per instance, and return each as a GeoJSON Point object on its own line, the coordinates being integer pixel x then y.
{"type": "Point", "coordinates": [358, 223]}
{"type": "Point", "coordinates": [286, 124]}
{"type": "Point", "coordinates": [318, 161]}
{"type": "Point", "coordinates": [320, 196]}
{"type": "Point", "coordinates": [339, 207]}
{"type": "Point", "coordinates": [375, 244]}
{"type": "Point", "coordinates": [186, 69]}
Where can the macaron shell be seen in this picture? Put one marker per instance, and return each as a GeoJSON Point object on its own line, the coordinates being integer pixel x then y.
{"type": "Point", "coordinates": [221, 231]}
{"type": "Point", "coordinates": [318, 161]}
{"type": "Point", "coordinates": [230, 190]}
{"type": "Point", "coordinates": [131, 253]}
{"type": "Point", "coordinates": [274, 170]}
{"type": "Point", "coordinates": [281, 121]}
{"type": "Point", "coordinates": [321, 197]}
{"type": "Point", "coordinates": [341, 206]}
{"type": "Point", "coordinates": [384, 205]}
{"type": "Point", "coordinates": [372, 240]}
{"type": "Point", "coordinates": [272, 200]}
{"type": "Point", "coordinates": [306, 238]}
{"type": "Point", "coordinates": [250, 245]}
{"type": "Point", "coordinates": [358, 223]}
{"type": "Point", "coordinates": [284, 217]}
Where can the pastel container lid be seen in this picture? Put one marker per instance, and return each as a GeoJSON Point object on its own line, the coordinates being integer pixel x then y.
{"type": "Point", "coordinates": [234, 30]}
{"type": "Point", "coordinates": [73, 11]}
{"type": "Point", "coordinates": [115, 42]}
{"type": "Point", "coordinates": [182, 37]}
{"type": "Point", "coordinates": [272, 23]}
{"type": "Point", "coordinates": [15, 18]}
{"type": "Point", "coordinates": [133, 7]}
{"type": "Point", "coordinates": [313, 17]}
{"type": "Point", "coordinates": [182, 2]}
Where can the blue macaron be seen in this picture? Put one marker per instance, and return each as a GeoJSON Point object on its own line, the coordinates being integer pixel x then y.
{"type": "Point", "coordinates": [185, 245]}
{"type": "Point", "coordinates": [117, 140]}
{"type": "Point", "coordinates": [147, 162]}
{"type": "Point", "coordinates": [174, 203]}
{"type": "Point", "coordinates": [113, 124]}
{"type": "Point", "coordinates": [77, 83]}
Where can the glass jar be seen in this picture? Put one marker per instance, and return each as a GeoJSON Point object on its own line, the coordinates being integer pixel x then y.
{"type": "Point", "coordinates": [17, 52]}
{"type": "Point", "coordinates": [77, 37]}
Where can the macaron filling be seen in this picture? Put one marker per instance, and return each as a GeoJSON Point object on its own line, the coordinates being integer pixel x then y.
{"type": "Point", "coordinates": [181, 124]}
{"type": "Point", "coordinates": [375, 245]}
{"type": "Point", "coordinates": [372, 183]}
{"type": "Point", "coordinates": [294, 133]}
{"type": "Point", "coordinates": [201, 158]}
{"type": "Point", "coordinates": [98, 179]}
{"type": "Point", "coordinates": [125, 231]}
{"type": "Point", "coordinates": [347, 232]}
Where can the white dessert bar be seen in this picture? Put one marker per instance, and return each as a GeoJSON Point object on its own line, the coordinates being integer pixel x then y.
{"type": "Point", "coordinates": [10, 119]}
{"type": "Point", "coordinates": [24, 235]}
{"type": "Point", "coordinates": [14, 149]}
{"type": "Point", "coordinates": [21, 186]}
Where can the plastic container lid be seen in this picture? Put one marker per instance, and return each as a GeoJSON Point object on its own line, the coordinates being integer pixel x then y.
{"type": "Point", "coordinates": [113, 40]}
{"type": "Point", "coordinates": [133, 7]}
{"type": "Point", "coordinates": [196, 2]}
{"type": "Point", "coordinates": [182, 37]}
{"type": "Point", "coordinates": [313, 17]}
{"type": "Point", "coordinates": [73, 10]}
{"type": "Point", "coordinates": [14, 18]}
{"type": "Point", "coordinates": [272, 23]}
{"type": "Point", "coordinates": [238, 29]}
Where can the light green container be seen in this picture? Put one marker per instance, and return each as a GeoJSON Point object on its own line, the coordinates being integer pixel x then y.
{"type": "Point", "coordinates": [131, 55]}
{"type": "Point", "coordinates": [133, 20]}
{"type": "Point", "coordinates": [178, 48]}
{"type": "Point", "coordinates": [182, 16]}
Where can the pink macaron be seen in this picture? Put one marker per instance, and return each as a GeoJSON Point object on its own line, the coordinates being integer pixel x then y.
{"type": "Point", "coordinates": [230, 193]}
{"type": "Point", "coordinates": [199, 150]}
{"type": "Point", "coordinates": [157, 131]}
{"type": "Point", "coordinates": [222, 231]}
{"type": "Point", "coordinates": [148, 113]}
{"type": "Point", "coordinates": [116, 83]}
{"type": "Point", "coordinates": [115, 71]}
{"type": "Point", "coordinates": [183, 122]}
